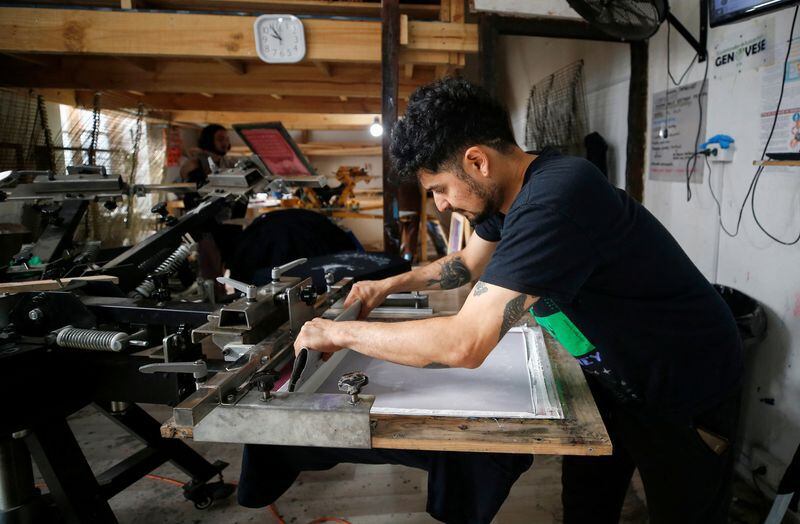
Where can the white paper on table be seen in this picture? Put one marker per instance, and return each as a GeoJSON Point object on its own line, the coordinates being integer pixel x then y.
{"type": "Point", "coordinates": [515, 381]}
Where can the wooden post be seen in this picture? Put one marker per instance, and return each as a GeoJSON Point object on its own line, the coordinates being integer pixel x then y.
{"type": "Point", "coordinates": [487, 41]}
{"type": "Point", "coordinates": [390, 79]}
{"type": "Point", "coordinates": [637, 121]}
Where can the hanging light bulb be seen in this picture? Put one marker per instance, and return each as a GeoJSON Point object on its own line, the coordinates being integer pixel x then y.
{"type": "Point", "coordinates": [376, 129]}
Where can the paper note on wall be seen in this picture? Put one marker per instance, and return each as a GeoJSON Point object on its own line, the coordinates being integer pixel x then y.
{"type": "Point", "coordinates": [744, 46]}
{"type": "Point", "coordinates": [670, 151]}
{"type": "Point", "coordinates": [786, 136]}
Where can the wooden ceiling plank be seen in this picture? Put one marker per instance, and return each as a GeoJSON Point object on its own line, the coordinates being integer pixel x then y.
{"type": "Point", "coordinates": [238, 67]}
{"type": "Point", "coordinates": [314, 121]}
{"type": "Point", "coordinates": [59, 96]}
{"type": "Point", "coordinates": [326, 7]}
{"type": "Point", "coordinates": [443, 36]}
{"type": "Point", "coordinates": [161, 102]}
{"type": "Point", "coordinates": [324, 68]}
{"type": "Point", "coordinates": [31, 59]}
{"type": "Point", "coordinates": [351, 80]}
{"type": "Point", "coordinates": [125, 33]}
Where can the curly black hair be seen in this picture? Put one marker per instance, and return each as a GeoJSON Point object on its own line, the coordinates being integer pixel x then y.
{"type": "Point", "coordinates": [442, 120]}
{"type": "Point", "coordinates": [206, 139]}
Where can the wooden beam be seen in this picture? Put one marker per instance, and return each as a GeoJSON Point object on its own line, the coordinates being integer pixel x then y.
{"type": "Point", "coordinates": [143, 64]}
{"type": "Point", "coordinates": [238, 67]}
{"type": "Point", "coordinates": [403, 30]}
{"type": "Point", "coordinates": [408, 71]}
{"type": "Point", "coordinates": [637, 121]}
{"type": "Point", "coordinates": [318, 7]}
{"type": "Point", "coordinates": [316, 121]}
{"type": "Point", "coordinates": [457, 11]}
{"type": "Point", "coordinates": [343, 98]}
{"type": "Point", "coordinates": [444, 36]}
{"type": "Point", "coordinates": [239, 103]}
{"type": "Point", "coordinates": [333, 149]}
{"type": "Point", "coordinates": [390, 81]}
{"type": "Point", "coordinates": [125, 33]}
{"type": "Point", "coordinates": [93, 73]}
{"type": "Point", "coordinates": [324, 67]}
{"type": "Point", "coordinates": [276, 96]}
{"type": "Point", "coordinates": [59, 96]}
{"type": "Point", "coordinates": [340, 149]}
{"type": "Point", "coordinates": [487, 67]}
{"type": "Point", "coordinates": [444, 11]}
{"type": "Point", "coordinates": [43, 61]}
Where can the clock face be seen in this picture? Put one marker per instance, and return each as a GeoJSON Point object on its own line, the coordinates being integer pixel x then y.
{"type": "Point", "coordinates": [280, 39]}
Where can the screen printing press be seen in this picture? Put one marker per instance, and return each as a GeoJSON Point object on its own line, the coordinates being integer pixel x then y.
{"type": "Point", "coordinates": [529, 396]}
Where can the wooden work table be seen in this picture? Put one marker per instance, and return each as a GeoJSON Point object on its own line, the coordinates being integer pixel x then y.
{"type": "Point", "coordinates": [580, 432]}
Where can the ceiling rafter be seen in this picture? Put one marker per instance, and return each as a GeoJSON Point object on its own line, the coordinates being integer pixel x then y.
{"type": "Point", "coordinates": [93, 73]}
{"type": "Point", "coordinates": [134, 33]}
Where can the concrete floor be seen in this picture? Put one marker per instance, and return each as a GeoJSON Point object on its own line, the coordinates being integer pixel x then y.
{"type": "Point", "coordinates": [359, 493]}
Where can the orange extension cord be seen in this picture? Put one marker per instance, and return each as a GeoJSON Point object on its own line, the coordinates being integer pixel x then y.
{"type": "Point", "coordinates": [272, 507]}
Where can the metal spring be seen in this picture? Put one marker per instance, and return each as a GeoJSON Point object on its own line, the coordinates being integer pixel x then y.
{"type": "Point", "coordinates": [93, 339]}
{"type": "Point", "coordinates": [172, 262]}
{"type": "Point", "coordinates": [90, 252]}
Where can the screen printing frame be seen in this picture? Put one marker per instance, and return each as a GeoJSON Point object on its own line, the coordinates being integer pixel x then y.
{"type": "Point", "coordinates": [276, 126]}
{"type": "Point", "coordinates": [580, 432]}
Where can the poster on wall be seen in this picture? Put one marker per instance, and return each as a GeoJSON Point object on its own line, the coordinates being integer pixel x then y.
{"type": "Point", "coordinates": [744, 46]}
{"type": "Point", "coordinates": [673, 132]}
{"type": "Point", "coordinates": [786, 136]}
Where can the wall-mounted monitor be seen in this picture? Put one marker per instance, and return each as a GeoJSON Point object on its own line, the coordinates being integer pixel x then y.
{"type": "Point", "coordinates": [727, 11]}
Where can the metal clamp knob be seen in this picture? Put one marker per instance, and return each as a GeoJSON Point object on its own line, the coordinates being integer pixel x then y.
{"type": "Point", "coordinates": [250, 291]}
{"type": "Point", "coordinates": [198, 369]}
{"type": "Point", "coordinates": [351, 383]}
{"type": "Point", "coordinates": [280, 270]}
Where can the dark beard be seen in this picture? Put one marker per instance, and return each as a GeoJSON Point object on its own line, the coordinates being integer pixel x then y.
{"type": "Point", "coordinates": [491, 197]}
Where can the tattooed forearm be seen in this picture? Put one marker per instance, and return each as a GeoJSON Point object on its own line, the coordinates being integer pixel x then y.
{"type": "Point", "coordinates": [454, 274]}
{"type": "Point", "coordinates": [511, 314]}
{"type": "Point", "coordinates": [479, 289]}
{"type": "Point", "coordinates": [436, 365]}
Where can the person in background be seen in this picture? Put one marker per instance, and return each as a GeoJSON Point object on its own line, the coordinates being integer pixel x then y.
{"type": "Point", "coordinates": [214, 145]}
{"type": "Point", "coordinates": [219, 240]}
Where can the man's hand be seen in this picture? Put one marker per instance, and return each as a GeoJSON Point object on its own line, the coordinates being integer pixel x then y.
{"type": "Point", "coordinates": [372, 293]}
{"type": "Point", "coordinates": [316, 334]}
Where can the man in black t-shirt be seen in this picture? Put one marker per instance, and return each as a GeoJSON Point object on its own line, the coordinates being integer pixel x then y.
{"type": "Point", "coordinates": [659, 347]}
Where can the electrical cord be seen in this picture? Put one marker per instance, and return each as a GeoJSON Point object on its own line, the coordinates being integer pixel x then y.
{"type": "Point", "coordinates": [757, 175]}
{"type": "Point", "coordinates": [272, 508]}
{"type": "Point", "coordinates": [669, 72]}
{"type": "Point", "coordinates": [697, 135]}
{"type": "Point", "coordinates": [671, 78]}
{"type": "Point", "coordinates": [719, 207]}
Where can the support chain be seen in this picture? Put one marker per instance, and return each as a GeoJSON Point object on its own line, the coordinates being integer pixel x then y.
{"type": "Point", "coordinates": [48, 135]}
{"type": "Point", "coordinates": [134, 163]}
{"type": "Point", "coordinates": [95, 129]}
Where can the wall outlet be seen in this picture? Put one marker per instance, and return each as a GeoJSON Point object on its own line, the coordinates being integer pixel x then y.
{"type": "Point", "coordinates": [721, 155]}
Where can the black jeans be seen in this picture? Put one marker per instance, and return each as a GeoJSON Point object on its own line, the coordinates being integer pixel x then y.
{"type": "Point", "coordinates": [684, 480]}
{"type": "Point", "coordinates": [463, 488]}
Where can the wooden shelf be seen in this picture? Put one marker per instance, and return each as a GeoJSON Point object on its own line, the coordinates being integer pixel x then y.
{"type": "Point", "coordinates": [784, 163]}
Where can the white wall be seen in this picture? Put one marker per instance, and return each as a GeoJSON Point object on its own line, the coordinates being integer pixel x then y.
{"type": "Point", "coordinates": [525, 61]}
{"type": "Point", "coordinates": [751, 262]}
